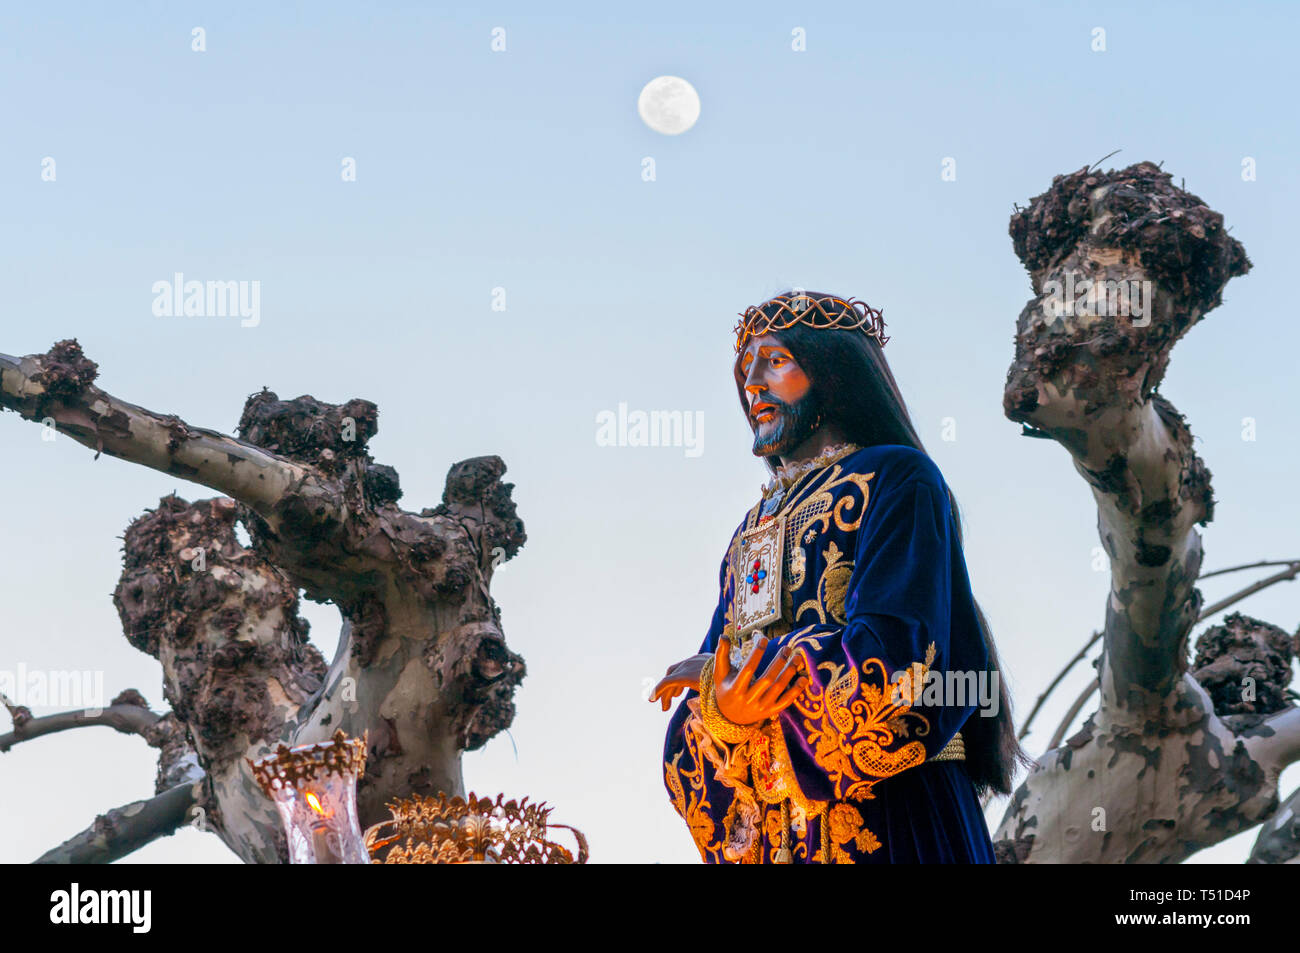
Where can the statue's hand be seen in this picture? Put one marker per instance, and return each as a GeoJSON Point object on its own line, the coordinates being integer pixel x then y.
{"type": "Point", "coordinates": [679, 677]}
{"type": "Point", "coordinates": [745, 700]}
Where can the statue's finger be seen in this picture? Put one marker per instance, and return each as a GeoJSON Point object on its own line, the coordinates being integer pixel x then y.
{"type": "Point", "coordinates": [722, 661]}
{"type": "Point", "coordinates": [792, 693]}
{"type": "Point", "coordinates": [780, 683]}
{"type": "Point", "coordinates": [746, 673]}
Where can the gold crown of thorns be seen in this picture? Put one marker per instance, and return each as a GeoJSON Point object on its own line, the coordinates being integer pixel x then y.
{"type": "Point", "coordinates": [789, 310]}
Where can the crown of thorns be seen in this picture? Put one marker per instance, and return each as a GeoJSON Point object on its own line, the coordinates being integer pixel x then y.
{"type": "Point", "coordinates": [785, 311]}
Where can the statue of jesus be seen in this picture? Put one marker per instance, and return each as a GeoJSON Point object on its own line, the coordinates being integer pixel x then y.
{"type": "Point", "coordinates": [846, 705]}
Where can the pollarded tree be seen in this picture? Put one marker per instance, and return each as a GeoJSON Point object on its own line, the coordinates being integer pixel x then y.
{"type": "Point", "coordinates": [421, 665]}
{"type": "Point", "coordinates": [1175, 758]}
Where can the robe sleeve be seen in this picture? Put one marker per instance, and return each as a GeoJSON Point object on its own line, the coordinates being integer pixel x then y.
{"type": "Point", "coordinates": [867, 714]}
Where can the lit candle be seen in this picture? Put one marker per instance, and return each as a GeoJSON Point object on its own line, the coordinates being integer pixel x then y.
{"type": "Point", "coordinates": [314, 789]}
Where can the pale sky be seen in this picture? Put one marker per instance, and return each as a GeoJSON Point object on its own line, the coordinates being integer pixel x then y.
{"type": "Point", "coordinates": [522, 170]}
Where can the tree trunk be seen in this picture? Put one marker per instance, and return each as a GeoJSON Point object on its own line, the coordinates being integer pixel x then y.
{"type": "Point", "coordinates": [1157, 773]}
{"type": "Point", "coordinates": [421, 666]}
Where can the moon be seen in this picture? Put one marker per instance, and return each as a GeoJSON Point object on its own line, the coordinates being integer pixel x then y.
{"type": "Point", "coordinates": [669, 104]}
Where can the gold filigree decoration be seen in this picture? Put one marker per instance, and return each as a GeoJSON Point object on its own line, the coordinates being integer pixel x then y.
{"type": "Point", "coordinates": [289, 767]}
{"type": "Point", "coordinates": [692, 804]}
{"type": "Point", "coordinates": [840, 509]}
{"type": "Point", "coordinates": [844, 825]}
{"type": "Point", "coordinates": [853, 725]}
{"type": "Point", "coordinates": [832, 589]}
{"type": "Point", "coordinates": [470, 830]}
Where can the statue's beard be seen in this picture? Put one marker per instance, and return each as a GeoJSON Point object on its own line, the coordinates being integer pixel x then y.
{"type": "Point", "coordinates": [794, 424]}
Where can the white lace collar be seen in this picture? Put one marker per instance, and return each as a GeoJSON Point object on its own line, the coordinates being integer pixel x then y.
{"type": "Point", "coordinates": [787, 475]}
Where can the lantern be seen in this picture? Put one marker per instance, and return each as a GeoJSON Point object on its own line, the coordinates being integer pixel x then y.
{"type": "Point", "coordinates": [314, 787]}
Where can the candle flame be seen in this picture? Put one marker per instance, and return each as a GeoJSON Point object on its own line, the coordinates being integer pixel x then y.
{"type": "Point", "coordinates": [314, 803]}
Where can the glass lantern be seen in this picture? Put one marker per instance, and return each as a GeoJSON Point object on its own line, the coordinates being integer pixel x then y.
{"type": "Point", "coordinates": [314, 787]}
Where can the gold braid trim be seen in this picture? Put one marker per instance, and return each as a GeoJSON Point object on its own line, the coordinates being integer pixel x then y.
{"type": "Point", "coordinates": [954, 750]}
{"type": "Point", "coordinates": [716, 723]}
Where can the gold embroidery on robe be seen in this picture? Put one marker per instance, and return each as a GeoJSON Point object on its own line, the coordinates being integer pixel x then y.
{"type": "Point", "coordinates": [852, 725]}
{"type": "Point", "coordinates": [771, 770]}
{"type": "Point", "coordinates": [759, 773]}
{"type": "Point", "coordinates": [844, 825]}
{"type": "Point", "coordinates": [772, 826]}
{"type": "Point", "coordinates": [693, 806]}
{"type": "Point", "coordinates": [847, 511]}
{"type": "Point", "coordinates": [832, 591]}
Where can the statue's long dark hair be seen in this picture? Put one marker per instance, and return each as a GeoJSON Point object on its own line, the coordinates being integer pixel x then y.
{"type": "Point", "coordinates": [855, 390]}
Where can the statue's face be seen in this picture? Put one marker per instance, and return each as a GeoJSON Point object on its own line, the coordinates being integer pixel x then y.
{"type": "Point", "coordinates": [779, 397]}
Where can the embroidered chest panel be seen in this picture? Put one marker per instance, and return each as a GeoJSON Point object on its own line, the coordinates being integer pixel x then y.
{"type": "Point", "coordinates": [813, 540]}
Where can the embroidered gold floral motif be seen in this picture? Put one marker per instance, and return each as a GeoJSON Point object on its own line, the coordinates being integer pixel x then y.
{"type": "Point", "coordinates": [832, 590]}
{"type": "Point", "coordinates": [771, 771]}
{"type": "Point", "coordinates": [798, 567]}
{"type": "Point", "coordinates": [758, 772]}
{"type": "Point", "coordinates": [853, 725]}
{"type": "Point", "coordinates": [847, 510]}
{"type": "Point", "coordinates": [772, 825]}
{"type": "Point", "coordinates": [846, 826]}
{"type": "Point", "coordinates": [859, 727]}
{"type": "Point", "coordinates": [692, 805]}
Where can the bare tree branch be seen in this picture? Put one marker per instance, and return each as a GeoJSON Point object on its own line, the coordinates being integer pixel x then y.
{"type": "Point", "coordinates": [1278, 841]}
{"type": "Point", "coordinates": [422, 668]}
{"type": "Point", "coordinates": [1071, 713]}
{"type": "Point", "coordinates": [1123, 264]}
{"type": "Point", "coordinates": [128, 719]}
{"type": "Point", "coordinates": [1244, 566]}
{"type": "Point", "coordinates": [1078, 657]}
{"type": "Point", "coordinates": [1276, 740]}
{"type": "Point", "coordinates": [125, 829]}
{"type": "Point", "coordinates": [1284, 576]}
{"type": "Point", "coordinates": [56, 389]}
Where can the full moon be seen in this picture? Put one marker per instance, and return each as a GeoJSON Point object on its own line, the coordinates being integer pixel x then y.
{"type": "Point", "coordinates": [669, 105]}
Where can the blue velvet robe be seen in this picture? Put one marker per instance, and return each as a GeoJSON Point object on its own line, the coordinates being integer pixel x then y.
{"type": "Point", "coordinates": [874, 582]}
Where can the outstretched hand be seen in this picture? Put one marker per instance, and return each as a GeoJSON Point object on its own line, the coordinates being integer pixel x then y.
{"type": "Point", "coordinates": [740, 697]}
{"type": "Point", "coordinates": [679, 677]}
{"type": "Point", "coordinates": [747, 701]}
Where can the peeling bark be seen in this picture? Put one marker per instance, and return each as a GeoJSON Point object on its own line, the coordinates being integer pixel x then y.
{"type": "Point", "coordinates": [421, 663]}
{"type": "Point", "coordinates": [1158, 772]}
{"type": "Point", "coordinates": [126, 829]}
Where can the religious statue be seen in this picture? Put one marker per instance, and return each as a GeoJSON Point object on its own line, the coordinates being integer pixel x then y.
{"type": "Point", "coordinates": [846, 704]}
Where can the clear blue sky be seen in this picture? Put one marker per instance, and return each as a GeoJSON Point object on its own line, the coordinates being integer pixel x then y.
{"type": "Point", "coordinates": [522, 170]}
